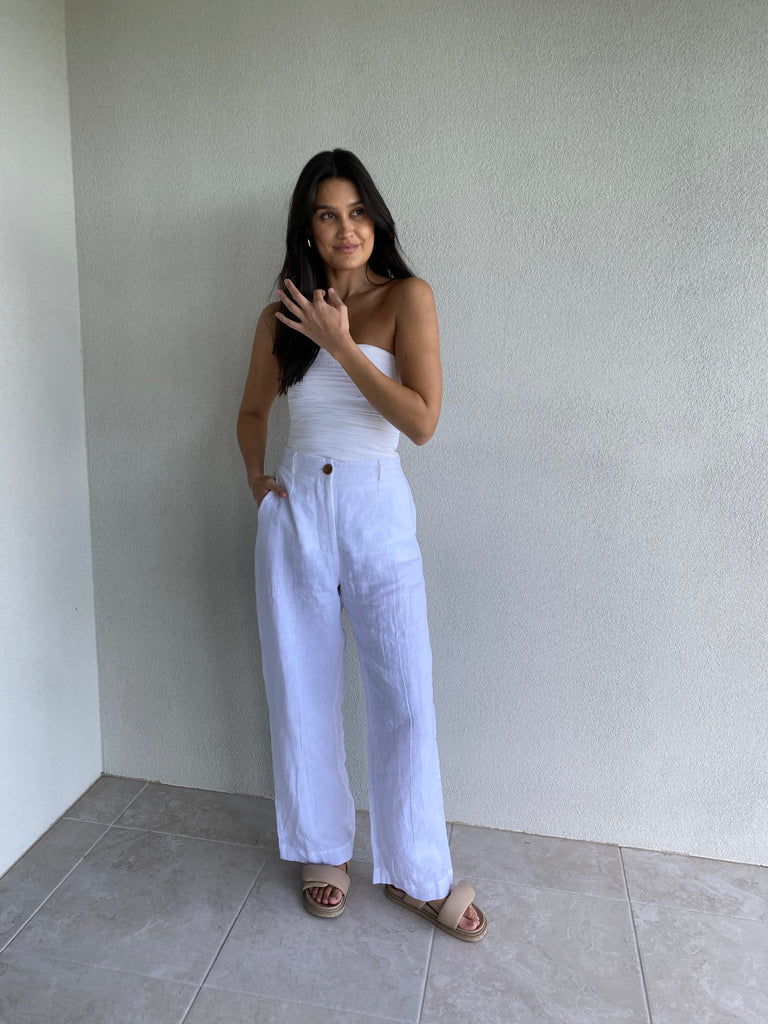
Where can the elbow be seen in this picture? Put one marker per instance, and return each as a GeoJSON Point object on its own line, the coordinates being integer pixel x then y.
{"type": "Point", "coordinates": [422, 421]}
{"type": "Point", "coordinates": [247, 417]}
{"type": "Point", "coordinates": [422, 434]}
{"type": "Point", "coordinates": [250, 426]}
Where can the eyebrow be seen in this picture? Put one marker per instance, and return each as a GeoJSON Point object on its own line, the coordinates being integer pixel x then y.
{"type": "Point", "coordinates": [357, 202]}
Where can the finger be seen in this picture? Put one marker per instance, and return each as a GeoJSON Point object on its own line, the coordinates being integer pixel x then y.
{"type": "Point", "coordinates": [289, 304]}
{"type": "Point", "coordinates": [318, 295]}
{"type": "Point", "coordinates": [295, 293]}
{"type": "Point", "coordinates": [296, 325]}
{"type": "Point", "coordinates": [333, 298]}
{"type": "Point", "coordinates": [279, 490]}
{"type": "Point", "coordinates": [271, 485]}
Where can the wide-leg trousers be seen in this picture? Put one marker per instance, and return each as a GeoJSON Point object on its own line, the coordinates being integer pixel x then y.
{"type": "Point", "coordinates": [346, 536]}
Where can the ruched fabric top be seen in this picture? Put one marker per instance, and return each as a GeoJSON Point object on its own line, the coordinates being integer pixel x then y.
{"type": "Point", "coordinates": [331, 417]}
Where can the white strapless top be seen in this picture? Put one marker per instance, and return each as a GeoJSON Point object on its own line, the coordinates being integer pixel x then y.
{"type": "Point", "coordinates": [331, 417]}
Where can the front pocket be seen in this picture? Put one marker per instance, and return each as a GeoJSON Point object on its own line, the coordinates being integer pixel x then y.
{"type": "Point", "coordinates": [264, 501]}
{"type": "Point", "coordinates": [396, 510]}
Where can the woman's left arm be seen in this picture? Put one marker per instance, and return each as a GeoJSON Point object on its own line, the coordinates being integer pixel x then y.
{"type": "Point", "coordinates": [413, 405]}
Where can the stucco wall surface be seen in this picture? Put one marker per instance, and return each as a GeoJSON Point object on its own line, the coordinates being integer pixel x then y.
{"type": "Point", "coordinates": [583, 184]}
{"type": "Point", "coordinates": [50, 748]}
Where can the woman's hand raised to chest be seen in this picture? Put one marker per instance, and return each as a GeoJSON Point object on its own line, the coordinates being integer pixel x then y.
{"type": "Point", "coordinates": [324, 319]}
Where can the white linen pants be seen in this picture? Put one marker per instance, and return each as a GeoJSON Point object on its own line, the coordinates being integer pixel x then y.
{"type": "Point", "coordinates": [345, 535]}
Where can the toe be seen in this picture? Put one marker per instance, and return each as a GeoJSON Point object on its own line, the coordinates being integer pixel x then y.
{"type": "Point", "coordinates": [470, 922]}
{"type": "Point", "coordinates": [327, 895]}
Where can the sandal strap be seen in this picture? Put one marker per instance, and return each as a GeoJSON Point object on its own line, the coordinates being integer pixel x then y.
{"type": "Point", "coordinates": [315, 875]}
{"type": "Point", "coordinates": [411, 901]}
{"type": "Point", "coordinates": [457, 904]}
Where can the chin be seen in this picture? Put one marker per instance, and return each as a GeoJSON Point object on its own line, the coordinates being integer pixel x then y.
{"type": "Point", "coordinates": [350, 262]}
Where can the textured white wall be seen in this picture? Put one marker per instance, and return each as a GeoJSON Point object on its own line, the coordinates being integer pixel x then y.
{"type": "Point", "coordinates": [584, 185]}
{"type": "Point", "coordinates": [50, 748]}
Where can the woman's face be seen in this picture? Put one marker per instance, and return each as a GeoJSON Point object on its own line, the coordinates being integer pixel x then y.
{"type": "Point", "coordinates": [342, 231]}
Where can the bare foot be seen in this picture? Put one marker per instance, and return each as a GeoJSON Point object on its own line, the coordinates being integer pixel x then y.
{"type": "Point", "coordinates": [327, 895]}
{"type": "Point", "coordinates": [469, 922]}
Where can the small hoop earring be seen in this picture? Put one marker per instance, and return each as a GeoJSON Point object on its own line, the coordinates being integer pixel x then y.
{"type": "Point", "coordinates": [309, 242]}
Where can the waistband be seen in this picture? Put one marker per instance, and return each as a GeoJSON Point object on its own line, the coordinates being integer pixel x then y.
{"type": "Point", "coordinates": [299, 464]}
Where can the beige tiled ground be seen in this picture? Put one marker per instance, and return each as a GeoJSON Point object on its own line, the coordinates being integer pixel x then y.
{"type": "Point", "coordinates": [151, 904]}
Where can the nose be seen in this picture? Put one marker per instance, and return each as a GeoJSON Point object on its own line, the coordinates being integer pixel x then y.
{"type": "Point", "coordinates": [344, 226]}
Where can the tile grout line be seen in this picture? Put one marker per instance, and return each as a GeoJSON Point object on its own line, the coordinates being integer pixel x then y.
{"type": "Point", "coordinates": [701, 913]}
{"type": "Point", "coordinates": [426, 975]}
{"type": "Point", "coordinates": [191, 1004]}
{"type": "Point", "coordinates": [272, 848]}
{"type": "Point", "coordinates": [88, 965]}
{"type": "Point", "coordinates": [93, 821]}
{"type": "Point", "coordinates": [637, 941]}
{"type": "Point", "coordinates": [548, 888]}
{"type": "Point", "coordinates": [58, 884]}
{"type": "Point", "coordinates": [130, 802]}
{"type": "Point", "coordinates": [64, 817]}
{"type": "Point", "coordinates": [361, 1014]}
{"type": "Point", "coordinates": [431, 948]}
{"type": "Point", "coordinates": [217, 954]}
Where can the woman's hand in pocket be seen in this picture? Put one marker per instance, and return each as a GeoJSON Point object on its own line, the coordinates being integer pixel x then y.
{"type": "Point", "coordinates": [262, 485]}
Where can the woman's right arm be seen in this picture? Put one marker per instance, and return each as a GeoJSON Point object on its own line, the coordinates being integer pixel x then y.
{"type": "Point", "coordinates": [261, 386]}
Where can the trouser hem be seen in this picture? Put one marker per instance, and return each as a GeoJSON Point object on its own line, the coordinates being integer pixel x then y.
{"type": "Point", "coordinates": [338, 855]}
{"type": "Point", "coordinates": [418, 888]}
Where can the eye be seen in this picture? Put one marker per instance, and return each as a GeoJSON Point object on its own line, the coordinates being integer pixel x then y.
{"type": "Point", "coordinates": [326, 215]}
{"type": "Point", "coordinates": [359, 212]}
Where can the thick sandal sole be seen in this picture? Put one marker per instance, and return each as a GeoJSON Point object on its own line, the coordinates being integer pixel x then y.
{"type": "Point", "coordinates": [321, 909]}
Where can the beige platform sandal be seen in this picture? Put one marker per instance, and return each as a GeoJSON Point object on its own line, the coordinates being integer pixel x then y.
{"type": "Point", "coordinates": [449, 915]}
{"type": "Point", "coordinates": [319, 875]}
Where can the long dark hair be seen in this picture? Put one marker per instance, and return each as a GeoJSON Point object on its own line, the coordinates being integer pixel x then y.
{"type": "Point", "coordinates": [295, 353]}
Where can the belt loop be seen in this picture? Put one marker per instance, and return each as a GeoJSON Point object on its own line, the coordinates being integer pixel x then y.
{"type": "Point", "coordinates": [293, 463]}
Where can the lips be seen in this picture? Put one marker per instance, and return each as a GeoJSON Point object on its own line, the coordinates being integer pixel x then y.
{"type": "Point", "coordinates": [345, 248]}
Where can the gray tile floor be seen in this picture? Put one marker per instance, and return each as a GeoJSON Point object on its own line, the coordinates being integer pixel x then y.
{"type": "Point", "coordinates": [155, 904]}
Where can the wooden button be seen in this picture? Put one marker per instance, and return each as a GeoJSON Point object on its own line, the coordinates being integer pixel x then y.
{"type": "Point", "coordinates": [327, 468]}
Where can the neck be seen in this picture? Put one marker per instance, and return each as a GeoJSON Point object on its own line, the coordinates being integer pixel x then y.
{"type": "Point", "coordinates": [348, 282]}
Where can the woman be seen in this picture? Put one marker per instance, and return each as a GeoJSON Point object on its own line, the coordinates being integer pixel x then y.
{"type": "Point", "coordinates": [353, 343]}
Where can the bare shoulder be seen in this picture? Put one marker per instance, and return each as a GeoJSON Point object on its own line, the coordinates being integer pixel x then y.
{"type": "Point", "coordinates": [417, 334]}
{"type": "Point", "coordinates": [409, 294]}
